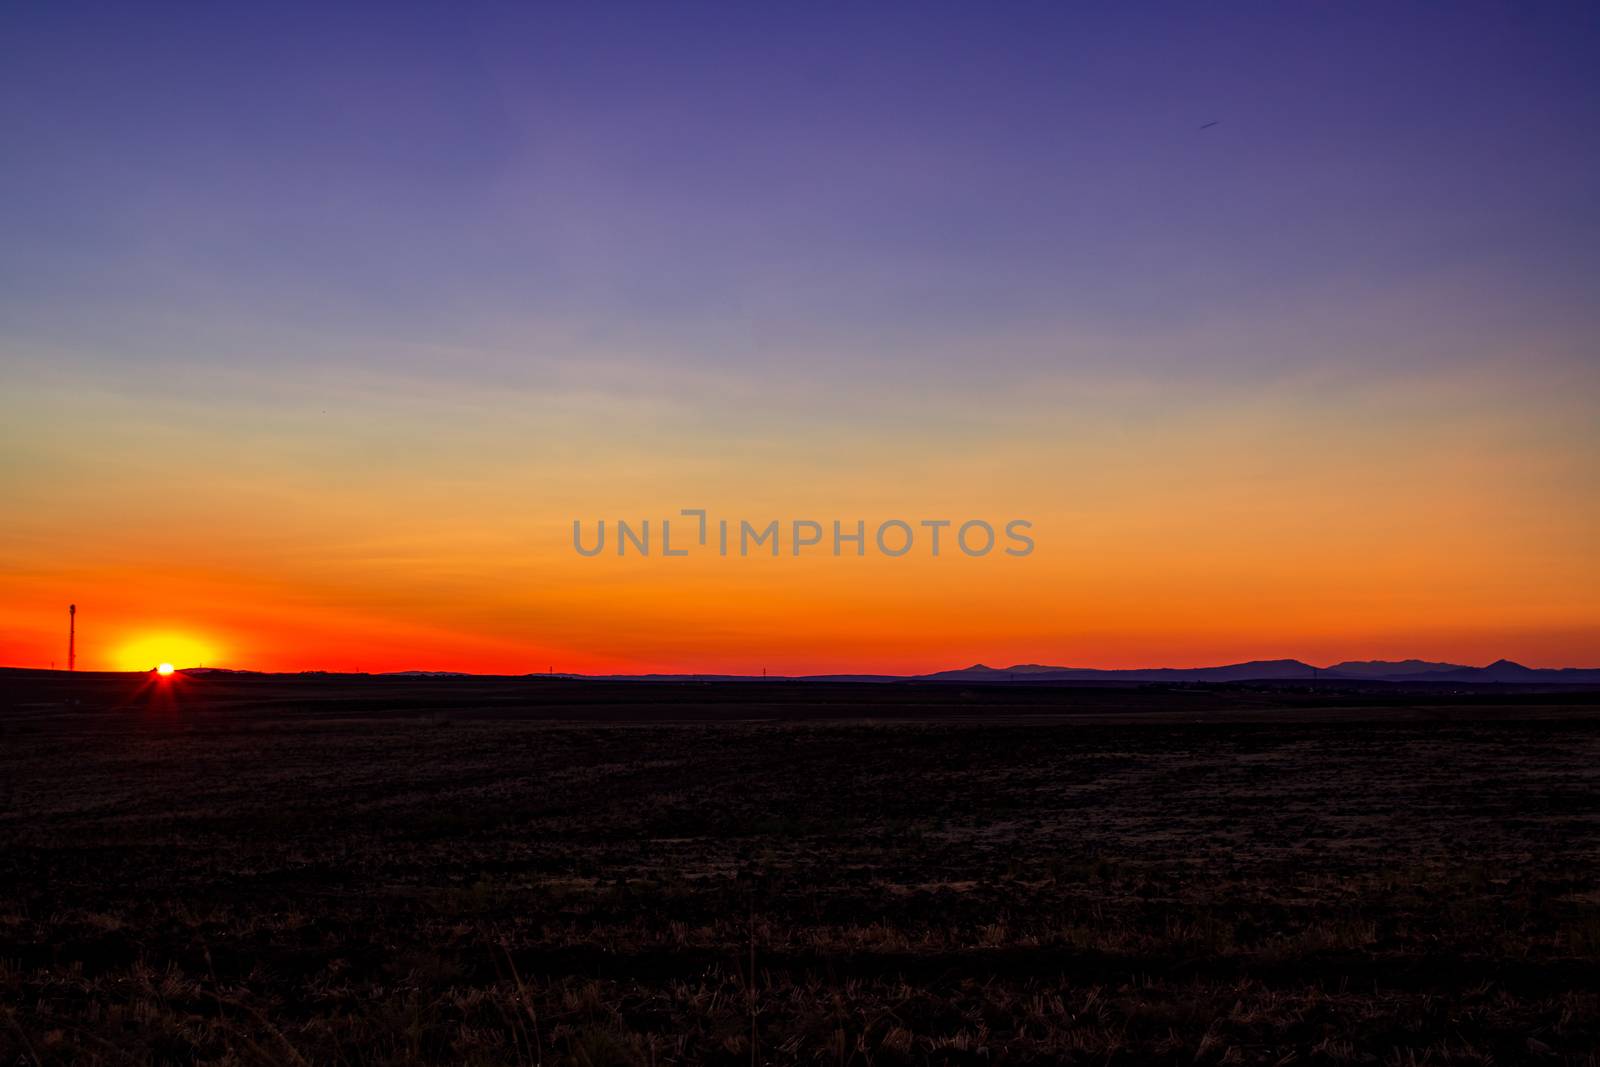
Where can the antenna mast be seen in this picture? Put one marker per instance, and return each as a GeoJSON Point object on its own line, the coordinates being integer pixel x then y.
{"type": "Point", "coordinates": [72, 637]}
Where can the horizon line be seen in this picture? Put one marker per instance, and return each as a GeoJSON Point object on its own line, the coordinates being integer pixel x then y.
{"type": "Point", "coordinates": [1041, 669]}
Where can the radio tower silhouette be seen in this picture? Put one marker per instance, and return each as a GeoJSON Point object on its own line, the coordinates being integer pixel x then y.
{"type": "Point", "coordinates": [72, 637]}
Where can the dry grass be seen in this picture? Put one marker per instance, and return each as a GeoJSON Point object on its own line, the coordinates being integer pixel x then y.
{"type": "Point", "coordinates": [268, 888]}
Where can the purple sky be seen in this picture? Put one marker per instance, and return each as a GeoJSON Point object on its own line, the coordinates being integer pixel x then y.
{"type": "Point", "coordinates": [724, 184]}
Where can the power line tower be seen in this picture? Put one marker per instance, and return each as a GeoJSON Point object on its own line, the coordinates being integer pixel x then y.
{"type": "Point", "coordinates": [72, 637]}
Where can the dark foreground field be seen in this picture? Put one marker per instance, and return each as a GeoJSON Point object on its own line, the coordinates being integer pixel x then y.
{"type": "Point", "coordinates": [314, 871]}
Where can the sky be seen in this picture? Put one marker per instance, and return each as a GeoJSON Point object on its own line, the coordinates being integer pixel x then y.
{"type": "Point", "coordinates": [319, 328]}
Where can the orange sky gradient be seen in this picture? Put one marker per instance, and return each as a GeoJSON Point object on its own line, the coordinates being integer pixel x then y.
{"type": "Point", "coordinates": [1174, 526]}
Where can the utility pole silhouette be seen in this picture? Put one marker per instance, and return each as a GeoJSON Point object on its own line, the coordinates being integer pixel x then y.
{"type": "Point", "coordinates": [72, 637]}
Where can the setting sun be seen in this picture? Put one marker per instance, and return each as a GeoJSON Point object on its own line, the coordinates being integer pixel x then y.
{"type": "Point", "coordinates": [164, 670]}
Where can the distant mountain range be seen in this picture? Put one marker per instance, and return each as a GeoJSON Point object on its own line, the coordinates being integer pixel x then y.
{"type": "Point", "coordinates": [1408, 670]}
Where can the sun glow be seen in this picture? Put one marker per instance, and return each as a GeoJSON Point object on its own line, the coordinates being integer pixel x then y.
{"type": "Point", "coordinates": [164, 652]}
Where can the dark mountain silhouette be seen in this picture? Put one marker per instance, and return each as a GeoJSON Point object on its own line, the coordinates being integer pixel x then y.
{"type": "Point", "coordinates": [1410, 670]}
{"type": "Point", "coordinates": [1501, 670]}
{"type": "Point", "coordinates": [1233, 672]}
{"type": "Point", "coordinates": [1382, 668]}
{"type": "Point", "coordinates": [1504, 670]}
